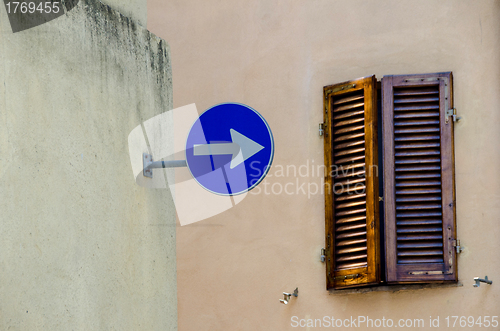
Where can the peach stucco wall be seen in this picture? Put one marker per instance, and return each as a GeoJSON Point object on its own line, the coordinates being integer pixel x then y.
{"type": "Point", "coordinates": [276, 56]}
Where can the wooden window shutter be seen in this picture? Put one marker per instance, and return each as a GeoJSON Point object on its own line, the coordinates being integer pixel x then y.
{"type": "Point", "coordinates": [419, 186]}
{"type": "Point", "coordinates": [351, 184]}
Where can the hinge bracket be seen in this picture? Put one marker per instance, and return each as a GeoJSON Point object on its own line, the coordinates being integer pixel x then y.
{"type": "Point", "coordinates": [322, 128]}
{"type": "Point", "coordinates": [459, 249]}
{"type": "Point", "coordinates": [453, 113]}
{"type": "Point", "coordinates": [323, 255]}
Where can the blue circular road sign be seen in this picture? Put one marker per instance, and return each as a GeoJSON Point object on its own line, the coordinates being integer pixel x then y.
{"type": "Point", "coordinates": [229, 149]}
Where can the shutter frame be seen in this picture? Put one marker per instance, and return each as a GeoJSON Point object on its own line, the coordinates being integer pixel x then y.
{"type": "Point", "coordinates": [420, 272]}
{"type": "Point", "coordinates": [369, 275]}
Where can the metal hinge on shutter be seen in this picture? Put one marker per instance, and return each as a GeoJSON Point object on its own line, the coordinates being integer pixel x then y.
{"type": "Point", "coordinates": [323, 255]}
{"type": "Point", "coordinates": [322, 128]}
{"type": "Point", "coordinates": [458, 248]}
{"type": "Point", "coordinates": [453, 113]}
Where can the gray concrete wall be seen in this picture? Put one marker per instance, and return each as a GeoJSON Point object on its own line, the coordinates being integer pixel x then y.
{"type": "Point", "coordinates": [82, 246]}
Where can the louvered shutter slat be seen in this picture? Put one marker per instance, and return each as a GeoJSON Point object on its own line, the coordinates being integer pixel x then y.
{"type": "Point", "coordinates": [422, 232]}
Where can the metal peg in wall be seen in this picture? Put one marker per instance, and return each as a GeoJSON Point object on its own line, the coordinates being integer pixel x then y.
{"type": "Point", "coordinates": [478, 281]}
{"type": "Point", "coordinates": [287, 296]}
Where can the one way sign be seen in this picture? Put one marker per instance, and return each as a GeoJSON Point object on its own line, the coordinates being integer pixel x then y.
{"type": "Point", "coordinates": [229, 149]}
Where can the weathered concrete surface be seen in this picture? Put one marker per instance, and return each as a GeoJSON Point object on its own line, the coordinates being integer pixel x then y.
{"type": "Point", "coordinates": [82, 246]}
{"type": "Point", "coordinates": [135, 9]}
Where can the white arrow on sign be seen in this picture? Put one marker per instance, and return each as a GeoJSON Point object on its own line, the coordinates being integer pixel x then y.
{"type": "Point", "coordinates": [241, 148]}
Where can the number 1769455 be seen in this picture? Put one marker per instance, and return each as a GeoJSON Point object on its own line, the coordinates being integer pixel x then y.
{"type": "Point", "coordinates": [47, 7]}
{"type": "Point", "coordinates": [471, 321]}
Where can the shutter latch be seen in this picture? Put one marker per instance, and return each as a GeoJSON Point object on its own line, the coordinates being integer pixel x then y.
{"type": "Point", "coordinates": [353, 276]}
{"type": "Point", "coordinates": [453, 113]}
{"type": "Point", "coordinates": [458, 248]}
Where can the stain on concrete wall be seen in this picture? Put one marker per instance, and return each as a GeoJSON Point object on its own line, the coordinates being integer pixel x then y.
{"type": "Point", "coordinates": [135, 9]}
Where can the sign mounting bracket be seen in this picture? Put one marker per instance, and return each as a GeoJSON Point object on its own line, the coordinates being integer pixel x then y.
{"type": "Point", "coordinates": [149, 164]}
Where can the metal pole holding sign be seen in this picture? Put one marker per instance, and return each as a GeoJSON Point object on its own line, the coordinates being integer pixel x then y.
{"type": "Point", "coordinates": [149, 164]}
